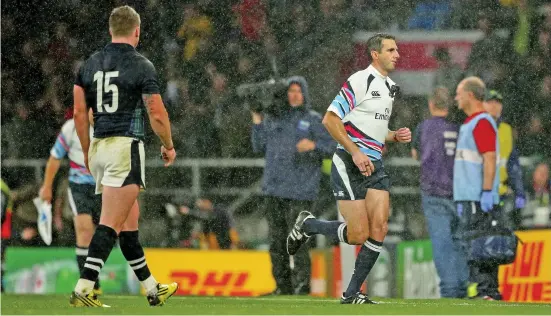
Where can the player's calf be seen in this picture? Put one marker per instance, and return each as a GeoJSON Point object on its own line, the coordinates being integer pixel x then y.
{"type": "Point", "coordinates": [157, 294]}
{"type": "Point", "coordinates": [102, 243]}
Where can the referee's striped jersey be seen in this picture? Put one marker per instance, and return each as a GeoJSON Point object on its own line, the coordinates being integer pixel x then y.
{"type": "Point", "coordinates": [364, 104]}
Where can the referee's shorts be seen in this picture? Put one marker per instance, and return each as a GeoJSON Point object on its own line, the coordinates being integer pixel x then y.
{"type": "Point", "coordinates": [84, 200]}
{"type": "Point", "coordinates": [347, 181]}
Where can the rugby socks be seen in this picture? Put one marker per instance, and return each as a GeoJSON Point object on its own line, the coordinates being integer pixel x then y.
{"type": "Point", "coordinates": [82, 253]}
{"type": "Point", "coordinates": [102, 243]}
{"type": "Point", "coordinates": [314, 226]}
{"type": "Point", "coordinates": [364, 263]}
{"type": "Point", "coordinates": [133, 252]}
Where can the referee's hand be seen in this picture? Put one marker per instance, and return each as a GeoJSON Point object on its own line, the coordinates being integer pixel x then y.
{"type": "Point", "coordinates": [403, 135]}
{"type": "Point", "coordinates": [363, 163]}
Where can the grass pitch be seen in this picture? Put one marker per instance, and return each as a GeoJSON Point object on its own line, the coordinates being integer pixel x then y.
{"type": "Point", "coordinates": [137, 305]}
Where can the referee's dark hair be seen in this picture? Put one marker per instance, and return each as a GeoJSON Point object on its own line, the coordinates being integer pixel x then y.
{"type": "Point", "coordinates": [476, 86]}
{"type": "Point", "coordinates": [375, 42]}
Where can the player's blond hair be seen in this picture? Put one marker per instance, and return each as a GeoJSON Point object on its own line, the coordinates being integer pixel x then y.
{"type": "Point", "coordinates": [441, 98]}
{"type": "Point", "coordinates": [123, 20]}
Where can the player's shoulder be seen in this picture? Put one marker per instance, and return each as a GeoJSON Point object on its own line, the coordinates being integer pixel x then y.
{"type": "Point", "coordinates": [68, 125]}
{"type": "Point", "coordinates": [142, 60]}
{"type": "Point", "coordinates": [390, 81]}
{"type": "Point", "coordinates": [360, 75]}
{"type": "Point", "coordinates": [93, 58]}
{"type": "Point", "coordinates": [68, 128]}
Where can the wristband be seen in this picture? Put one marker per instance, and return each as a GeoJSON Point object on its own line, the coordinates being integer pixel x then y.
{"type": "Point", "coordinates": [396, 138]}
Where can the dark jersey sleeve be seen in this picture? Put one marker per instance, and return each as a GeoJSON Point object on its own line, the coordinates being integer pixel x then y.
{"type": "Point", "coordinates": [149, 82]}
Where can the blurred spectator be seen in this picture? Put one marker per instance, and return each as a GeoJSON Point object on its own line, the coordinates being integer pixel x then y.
{"type": "Point", "coordinates": [252, 18]}
{"type": "Point", "coordinates": [534, 139]}
{"type": "Point", "coordinates": [538, 210]}
{"type": "Point", "coordinates": [448, 74]}
{"type": "Point", "coordinates": [195, 28]}
{"type": "Point", "coordinates": [511, 186]}
{"type": "Point", "coordinates": [521, 36]}
{"type": "Point", "coordinates": [6, 209]}
{"type": "Point", "coordinates": [363, 15]}
{"type": "Point", "coordinates": [218, 228]}
{"type": "Point", "coordinates": [294, 143]}
{"type": "Point", "coordinates": [430, 15]}
{"type": "Point", "coordinates": [434, 145]}
{"type": "Point", "coordinates": [543, 99]}
{"type": "Point", "coordinates": [200, 224]}
{"type": "Point", "coordinates": [25, 135]}
{"type": "Point", "coordinates": [487, 53]}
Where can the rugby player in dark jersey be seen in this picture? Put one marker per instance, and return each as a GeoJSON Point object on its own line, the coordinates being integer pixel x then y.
{"type": "Point", "coordinates": [119, 85]}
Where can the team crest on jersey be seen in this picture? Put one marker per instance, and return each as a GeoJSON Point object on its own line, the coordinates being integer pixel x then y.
{"type": "Point", "coordinates": [303, 125]}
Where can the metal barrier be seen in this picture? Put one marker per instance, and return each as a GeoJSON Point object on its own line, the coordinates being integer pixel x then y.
{"type": "Point", "coordinates": [197, 165]}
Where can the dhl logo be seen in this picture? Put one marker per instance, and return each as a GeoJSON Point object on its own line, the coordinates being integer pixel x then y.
{"type": "Point", "coordinates": [527, 266]}
{"type": "Point", "coordinates": [211, 283]}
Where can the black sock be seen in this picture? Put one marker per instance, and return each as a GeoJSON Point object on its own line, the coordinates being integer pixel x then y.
{"type": "Point", "coordinates": [102, 243]}
{"type": "Point", "coordinates": [364, 263]}
{"type": "Point", "coordinates": [82, 253]}
{"type": "Point", "coordinates": [133, 252]}
{"type": "Point", "coordinates": [314, 226]}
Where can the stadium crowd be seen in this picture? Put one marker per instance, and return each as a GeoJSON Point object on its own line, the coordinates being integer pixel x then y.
{"type": "Point", "coordinates": [204, 49]}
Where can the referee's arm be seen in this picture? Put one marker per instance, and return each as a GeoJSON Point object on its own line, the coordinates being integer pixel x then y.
{"type": "Point", "coordinates": [334, 125]}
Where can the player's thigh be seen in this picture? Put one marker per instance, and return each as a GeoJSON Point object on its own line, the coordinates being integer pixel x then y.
{"type": "Point", "coordinates": [377, 200]}
{"type": "Point", "coordinates": [132, 221]}
{"type": "Point", "coordinates": [117, 204]}
{"type": "Point", "coordinates": [377, 203]}
{"type": "Point", "coordinates": [355, 216]}
{"type": "Point", "coordinates": [347, 183]}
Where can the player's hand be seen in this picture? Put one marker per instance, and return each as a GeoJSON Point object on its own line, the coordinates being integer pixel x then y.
{"type": "Point", "coordinates": [363, 163]}
{"type": "Point", "coordinates": [45, 194]}
{"type": "Point", "coordinates": [520, 201]}
{"type": "Point", "coordinates": [486, 201]}
{"type": "Point", "coordinates": [256, 117]}
{"type": "Point", "coordinates": [168, 155]}
{"type": "Point", "coordinates": [403, 135]}
{"type": "Point", "coordinates": [58, 223]}
{"type": "Point", "coordinates": [86, 161]}
{"type": "Point", "coordinates": [305, 145]}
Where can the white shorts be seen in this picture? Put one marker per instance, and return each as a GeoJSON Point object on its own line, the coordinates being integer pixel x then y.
{"type": "Point", "coordinates": [117, 162]}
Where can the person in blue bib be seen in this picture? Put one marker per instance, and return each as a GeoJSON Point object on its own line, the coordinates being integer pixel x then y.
{"type": "Point", "coordinates": [476, 180]}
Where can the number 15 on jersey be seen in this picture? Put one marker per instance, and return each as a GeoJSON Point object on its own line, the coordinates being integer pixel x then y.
{"type": "Point", "coordinates": [102, 79]}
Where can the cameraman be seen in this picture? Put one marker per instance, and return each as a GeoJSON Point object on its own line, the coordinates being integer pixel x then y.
{"type": "Point", "coordinates": [294, 142]}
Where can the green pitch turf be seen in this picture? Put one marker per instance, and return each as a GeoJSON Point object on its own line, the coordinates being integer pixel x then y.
{"type": "Point", "coordinates": [136, 305]}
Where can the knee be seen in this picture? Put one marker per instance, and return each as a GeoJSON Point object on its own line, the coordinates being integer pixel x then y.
{"type": "Point", "coordinates": [84, 234]}
{"type": "Point", "coordinates": [357, 235]}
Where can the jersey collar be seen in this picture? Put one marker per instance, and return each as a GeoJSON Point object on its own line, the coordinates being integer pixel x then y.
{"type": "Point", "coordinates": [376, 72]}
{"type": "Point", "coordinates": [120, 46]}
